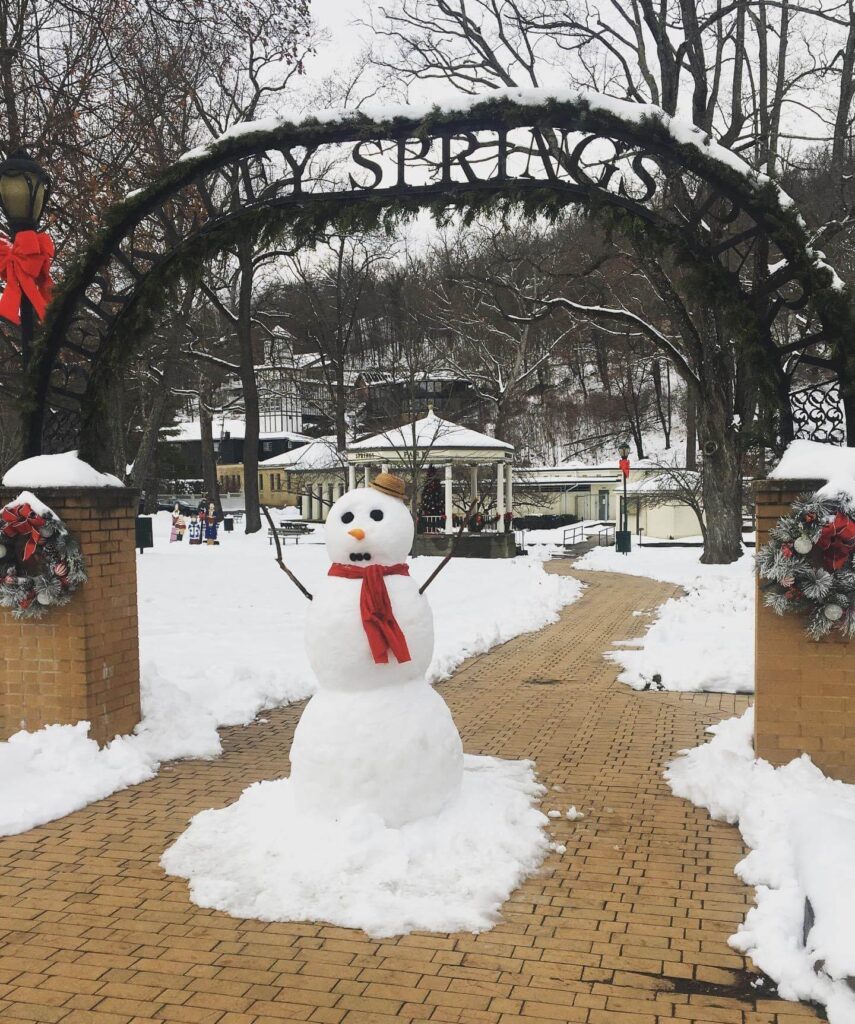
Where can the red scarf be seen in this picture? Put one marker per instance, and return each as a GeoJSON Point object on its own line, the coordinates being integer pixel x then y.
{"type": "Point", "coordinates": [378, 620]}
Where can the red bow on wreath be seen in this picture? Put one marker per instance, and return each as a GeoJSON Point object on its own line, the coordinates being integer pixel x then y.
{"type": "Point", "coordinates": [21, 520]}
{"type": "Point", "coordinates": [25, 267]}
{"type": "Point", "coordinates": [836, 540]}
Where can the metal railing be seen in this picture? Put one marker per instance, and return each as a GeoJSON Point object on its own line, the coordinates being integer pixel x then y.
{"type": "Point", "coordinates": [602, 533]}
{"type": "Point", "coordinates": [574, 534]}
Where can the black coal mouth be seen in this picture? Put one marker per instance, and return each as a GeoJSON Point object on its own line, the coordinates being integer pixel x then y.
{"type": "Point", "coordinates": [360, 556]}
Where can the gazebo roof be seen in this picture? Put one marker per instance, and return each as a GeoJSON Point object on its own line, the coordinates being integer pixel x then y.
{"type": "Point", "coordinates": [319, 454]}
{"type": "Point", "coordinates": [443, 439]}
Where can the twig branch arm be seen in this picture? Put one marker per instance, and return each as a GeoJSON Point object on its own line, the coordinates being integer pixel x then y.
{"type": "Point", "coordinates": [279, 558]}
{"type": "Point", "coordinates": [450, 554]}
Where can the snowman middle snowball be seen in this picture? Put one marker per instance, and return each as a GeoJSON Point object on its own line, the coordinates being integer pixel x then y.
{"type": "Point", "coordinates": [376, 735]}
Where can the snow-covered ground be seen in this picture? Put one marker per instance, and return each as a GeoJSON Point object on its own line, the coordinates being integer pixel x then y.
{"type": "Point", "coordinates": [221, 637]}
{"type": "Point", "coordinates": [703, 640]}
{"type": "Point", "coordinates": [446, 872]}
{"type": "Point", "coordinates": [800, 826]}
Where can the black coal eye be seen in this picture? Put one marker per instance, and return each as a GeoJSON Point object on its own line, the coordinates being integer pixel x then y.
{"type": "Point", "coordinates": [347, 517]}
{"type": "Point", "coordinates": [376, 514]}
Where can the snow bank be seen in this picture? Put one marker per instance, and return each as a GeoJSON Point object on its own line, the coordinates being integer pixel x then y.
{"type": "Point", "coordinates": [64, 470]}
{"type": "Point", "coordinates": [702, 641]}
{"type": "Point", "coordinates": [800, 827]}
{"type": "Point", "coordinates": [447, 873]}
{"type": "Point", "coordinates": [221, 639]}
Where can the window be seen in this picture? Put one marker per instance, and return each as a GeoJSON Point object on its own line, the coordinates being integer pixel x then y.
{"type": "Point", "coordinates": [272, 482]}
{"type": "Point", "coordinates": [267, 446]}
{"type": "Point", "coordinates": [260, 482]}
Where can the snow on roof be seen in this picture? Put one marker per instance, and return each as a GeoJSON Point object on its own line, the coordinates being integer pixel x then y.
{"type": "Point", "coordinates": [320, 453]}
{"type": "Point", "coordinates": [670, 457]}
{"type": "Point", "coordinates": [659, 483]}
{"type": "Point", "coordinates": [64, 470]}
{"type": "Point", "coordinates": [430, 432]}
{"type": "Point", "coordinates": [191, 430]}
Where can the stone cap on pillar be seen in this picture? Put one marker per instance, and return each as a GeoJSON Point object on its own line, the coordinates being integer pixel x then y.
{"type": "Point", "coordinates": [774, 486]}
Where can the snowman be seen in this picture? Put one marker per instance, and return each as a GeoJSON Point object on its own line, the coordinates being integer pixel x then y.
{"type": "Point", "coordinates": [376, 735]}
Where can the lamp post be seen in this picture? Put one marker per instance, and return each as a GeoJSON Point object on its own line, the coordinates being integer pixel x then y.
{"type": "Point", "coordinates": [623, 538]}
{"type": "Point", "coordinates": [24, 189]}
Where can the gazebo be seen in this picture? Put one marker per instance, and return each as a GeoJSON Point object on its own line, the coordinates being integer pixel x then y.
{"type": "Point", "coordinates": [435, 441]}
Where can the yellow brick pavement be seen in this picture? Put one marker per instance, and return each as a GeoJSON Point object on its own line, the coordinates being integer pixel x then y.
{"type": "Point", "coordinates": [628, 926]}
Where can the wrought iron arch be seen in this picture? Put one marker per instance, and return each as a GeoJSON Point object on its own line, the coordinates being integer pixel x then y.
{"type": "Point", "coordinates": [531, 150]}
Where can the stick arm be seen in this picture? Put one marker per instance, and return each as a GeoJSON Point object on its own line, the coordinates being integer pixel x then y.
{"type": "Point", "coordinates": [450, 554]}
{"type": "Point", "coordinates": [280, 561]}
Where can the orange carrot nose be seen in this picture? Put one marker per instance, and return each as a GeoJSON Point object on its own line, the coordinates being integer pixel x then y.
{"type": "Point", "coordinates": [359, 534]}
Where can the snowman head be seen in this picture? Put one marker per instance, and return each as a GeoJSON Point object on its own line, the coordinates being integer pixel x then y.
{"type": "Point", "coordinates": [370, 526]}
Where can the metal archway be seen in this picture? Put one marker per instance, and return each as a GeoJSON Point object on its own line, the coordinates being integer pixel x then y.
{"type": "Point", "coordinates": [530, 149]}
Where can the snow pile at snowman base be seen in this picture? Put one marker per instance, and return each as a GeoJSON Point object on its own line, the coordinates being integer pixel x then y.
{"type": "Point", "coordinates": [448, 872]}
{"type": "Point", "coordinates": [800, 826]}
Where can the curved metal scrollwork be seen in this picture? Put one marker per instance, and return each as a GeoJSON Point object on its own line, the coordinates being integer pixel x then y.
{"type": "Point", "coordinates": [818, 413]}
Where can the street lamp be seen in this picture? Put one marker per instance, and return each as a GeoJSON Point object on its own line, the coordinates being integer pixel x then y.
{"type": "Point", "coordinates": [623, 539]}
{"type": "Point", "coordinates": [24, 188]}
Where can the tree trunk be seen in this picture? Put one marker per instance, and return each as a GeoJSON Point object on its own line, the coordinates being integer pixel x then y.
{"type": "Point", "coordinates": [691, 430]}
{"type": "Point", "coordinates": [722, 486]}
{"type": "Point", "coordinates": [144, 475]}
{"type": "Point", "coordinates": [209, 457]}
{"type": "Point", "coordinates": [340, 407]}
{"type": "Point", "coordinates": [250, 389]}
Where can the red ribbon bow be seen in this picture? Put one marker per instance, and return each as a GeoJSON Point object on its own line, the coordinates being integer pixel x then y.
{"type": "Point", "coordinates": [25, 267]}
{"type": "Point", "coordinates": [836, 540]}
{"type": "Point", "coordinates": [378, 620]}
{"type": "Point", "coordinates": [624, 466]}
{"type": "Point", "coordinates": [20, 520]}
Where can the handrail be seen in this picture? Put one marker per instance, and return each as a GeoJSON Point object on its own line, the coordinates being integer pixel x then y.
{"type": "Point", "coordinates": [574, 531]}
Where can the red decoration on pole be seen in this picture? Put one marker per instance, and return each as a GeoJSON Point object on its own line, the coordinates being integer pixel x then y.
{"type": "Point", "coordinates": [624, 466]}
{"type": "Point", "coordinates": [25, 267]}
{"type": "Point", "coordinates": [21, 521]}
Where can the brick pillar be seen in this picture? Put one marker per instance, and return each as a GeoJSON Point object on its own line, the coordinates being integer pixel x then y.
{"type": "Point", "coordinates": [80, 661]}
{"type": "Point", "coordinates": [805, 690]}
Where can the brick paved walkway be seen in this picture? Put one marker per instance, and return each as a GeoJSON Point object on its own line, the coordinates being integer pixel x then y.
{"type": "Point", "coordinates": [629, 926]}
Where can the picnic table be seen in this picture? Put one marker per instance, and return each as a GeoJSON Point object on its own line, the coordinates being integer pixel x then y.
{"type": "Point", "coordinates": [290, 531]}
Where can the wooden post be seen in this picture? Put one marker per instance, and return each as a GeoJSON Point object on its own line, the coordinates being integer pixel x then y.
{"type": "Point", "coordinates": [500, 496]}
{"type": "Point", "coordinates": [449, 500]}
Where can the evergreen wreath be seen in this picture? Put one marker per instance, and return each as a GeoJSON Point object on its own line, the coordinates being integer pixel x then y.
{"type": "Point", "coordinates": [809, 564]}
{"type": "Point", "coordinates": [41, 565]}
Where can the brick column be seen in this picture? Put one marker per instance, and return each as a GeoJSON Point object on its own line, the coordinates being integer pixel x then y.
{"type": "Point", "coordinates": [805, 690]}
{"type": "Point", "coordinates": [81, 661]}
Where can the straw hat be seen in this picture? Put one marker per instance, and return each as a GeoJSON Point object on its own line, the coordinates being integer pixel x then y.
{"type": "Point", "coordinates": [386, 483]}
